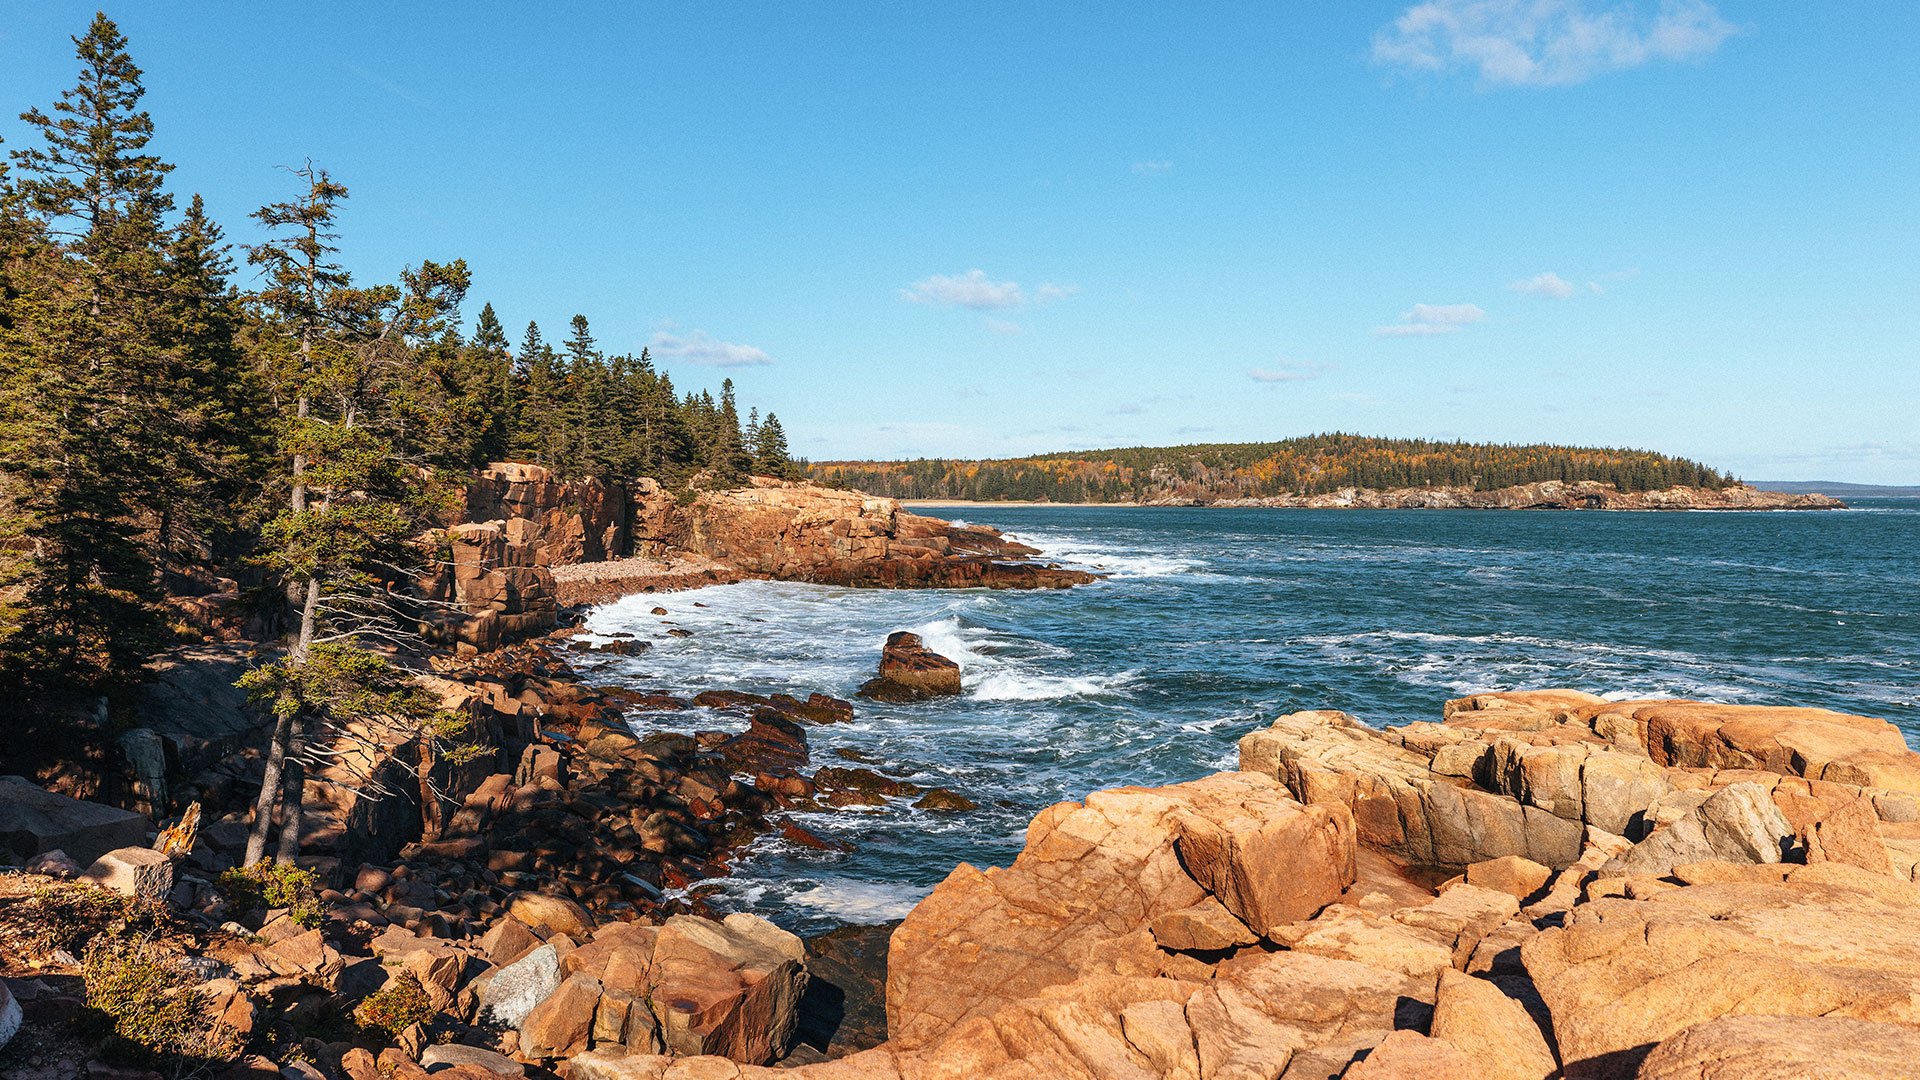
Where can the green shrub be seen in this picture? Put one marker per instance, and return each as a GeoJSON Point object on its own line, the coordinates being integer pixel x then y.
{"type": "Point", "coordinates": [146, 992]}
{"type": "Point", "coordinates": [395, 1007]}
{"type": "Point", "coordinates": [270, 884]}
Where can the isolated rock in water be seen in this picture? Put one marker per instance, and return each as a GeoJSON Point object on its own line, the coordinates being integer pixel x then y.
{"type": "Point", "coordinates": [33, 820]}
{"type": "Point", "coordinates": [1785, 1048]}
{"type": "Point", "coordinates": [9, 1015]}
{"type": "Point", "coordinates": [730, 988]}
{"type": "Point", "coordinates": [515, 989]}
{"type": "Point", "coordinates": [909, 671]}
{"type": "Point", "coordinates": [138, 872]}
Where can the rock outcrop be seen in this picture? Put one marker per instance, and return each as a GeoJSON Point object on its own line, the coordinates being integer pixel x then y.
{"type": "Point", "coordinates": [1267, 924]}
{"type": "Point", "coordinates": [909, 671]}
{"type": "Point", "coordinates": [804, 532]}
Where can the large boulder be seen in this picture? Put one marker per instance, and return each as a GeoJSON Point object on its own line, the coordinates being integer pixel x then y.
{"type": "Point", "coordinates": [1739, 823]}
{"type": "Point", "coordinates": [33, 820]}
{"type": "Point", "coordinates": [909, 671]}
{"type": "Point", "coordinates": [512, 991]}
{"type": "Point", "coordinates": [138, 873]}
{"type": "Point", "coordinates": [1398, 802]}
{"type": "Point", "coordinates": [730, 988]}
{"type": "Point", "coordinates": [1094, 879]}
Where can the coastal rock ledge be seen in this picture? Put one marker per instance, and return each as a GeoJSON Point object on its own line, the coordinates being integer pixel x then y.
{"type": "Point", "coordinates": [1541, 884]}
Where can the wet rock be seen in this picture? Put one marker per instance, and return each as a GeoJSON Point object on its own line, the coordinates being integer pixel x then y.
{"type": "Point", "coordinates": [772, 743]}
{"type": "Point", "coordinates": [909, 671]}
{"type": "Point", "coordinates": [942, 799]}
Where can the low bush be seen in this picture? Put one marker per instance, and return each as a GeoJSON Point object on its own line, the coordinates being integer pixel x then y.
{"type": "Point", "coordinates": [266, 885]}
{"type": "Point", "coordinates": [395, 1007]}
{"type": "Point", "coordinates": [152, 1001]}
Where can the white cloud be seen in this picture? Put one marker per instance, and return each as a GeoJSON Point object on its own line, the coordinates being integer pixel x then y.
{"type": "Point", "coordinates": [1287, 373]}
{"type": "Point", "coordinates": [700, 347]}
{"type": "Point", "coordinates": [1546, 284]}
{"type": "Point", "coordinates": [1423, 320]}
{"type": "Point", "coordinates": [973, 289]}
{"type": "Point", "coordinates": [1152, 168]}
{"type": "Point", "coordinates": [1547, 42]}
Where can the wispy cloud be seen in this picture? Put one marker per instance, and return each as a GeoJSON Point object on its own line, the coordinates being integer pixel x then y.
{"type": "Point", "coordinates": [1154, 167]}
{"type": "Point", "coordinates": [700, 347]}
{"type": "Point", "coordinates": [1287, 373]}
{"type": "Point", "coordinates": [1547, 42]}
{"type": "Point", "coordinates": [1545, 284]}
{"type": "Point", "coordinates": [1423, 320]}
{"type": "Point", "coordinates": [978, 292]}
{"type": "Point", "coordinates": [973, 289]}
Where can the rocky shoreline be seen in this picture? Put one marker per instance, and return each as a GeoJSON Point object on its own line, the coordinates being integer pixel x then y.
{"type": "Point", "coordinates": [1548, 495]}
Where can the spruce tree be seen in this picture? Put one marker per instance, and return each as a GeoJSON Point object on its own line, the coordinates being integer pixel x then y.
{"type": "Point", "coordinates": [85, 374]}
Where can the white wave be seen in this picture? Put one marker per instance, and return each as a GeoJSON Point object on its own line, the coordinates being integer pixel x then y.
{"type": "Point", "coordinates": [1107, 558]}
{"type": "Point", "coordinates": [1018, 686]}
{"type": "Point", "coordinates": [861, 901]}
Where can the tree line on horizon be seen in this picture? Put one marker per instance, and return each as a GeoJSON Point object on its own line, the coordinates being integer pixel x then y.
{"type": "Point", "coordinates": [1310, 465]}
{"type": "Point", "coordinates": [164, 422]}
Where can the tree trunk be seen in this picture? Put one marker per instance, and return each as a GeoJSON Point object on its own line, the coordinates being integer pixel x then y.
{"type": "Point", "coordinates": [271, 789]}
{"type": "Point", "coordinates": [295, 798]}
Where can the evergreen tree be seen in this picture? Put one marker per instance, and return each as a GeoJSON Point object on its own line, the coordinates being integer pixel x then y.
{"type": "Point", "coordinates": [770, 455]}
{"type": "Point", "coordinates": [353, 500]}
{"type": "Point", "coordinates": [85, 373]}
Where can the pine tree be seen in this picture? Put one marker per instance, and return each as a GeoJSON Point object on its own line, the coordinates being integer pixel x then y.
{"type": "Point", "coordinates": [493, 360]}
{"type": "Point", "coordinates": [353, 501]}
{"type": "Point", "coordinates": [770, 455]}
{"type": "Point", "coordinates": [85, 367]}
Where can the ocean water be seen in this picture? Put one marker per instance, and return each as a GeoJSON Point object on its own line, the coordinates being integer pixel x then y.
{"type": "Point", "coordinates": [1212, 622]}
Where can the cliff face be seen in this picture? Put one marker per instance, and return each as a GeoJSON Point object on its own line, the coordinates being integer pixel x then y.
{"type": "Point", "coordinates": [803, 532]}
{"type": "Point", "coordinates": [1547, 495]}
{"type": "Point", "coordinates": [519, 523]}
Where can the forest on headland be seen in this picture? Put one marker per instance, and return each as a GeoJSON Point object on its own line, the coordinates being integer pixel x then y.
{"type": "Point", "coordinates": [1311, 465]}
{"type": "Point", "coordinates": [174, 407]}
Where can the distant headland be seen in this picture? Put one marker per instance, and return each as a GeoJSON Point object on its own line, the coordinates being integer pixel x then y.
{"type": "Point", "coordinates": [1335, 471]}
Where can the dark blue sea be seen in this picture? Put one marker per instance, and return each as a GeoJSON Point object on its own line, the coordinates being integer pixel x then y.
{"type": "Point", "coordinates": [1214, 621]}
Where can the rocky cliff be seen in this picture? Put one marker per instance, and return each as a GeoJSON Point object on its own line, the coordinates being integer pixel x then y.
{"type": "Point", "coordinates": [1540, 885]}
{"type": "Point", "coordinates": [1547, 495]}
{"type": "Point", "coordinates": [520, 523]}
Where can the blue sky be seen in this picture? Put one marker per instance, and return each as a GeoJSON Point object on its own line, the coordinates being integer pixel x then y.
{"type": "Point", "coordinates": [988, 229]}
